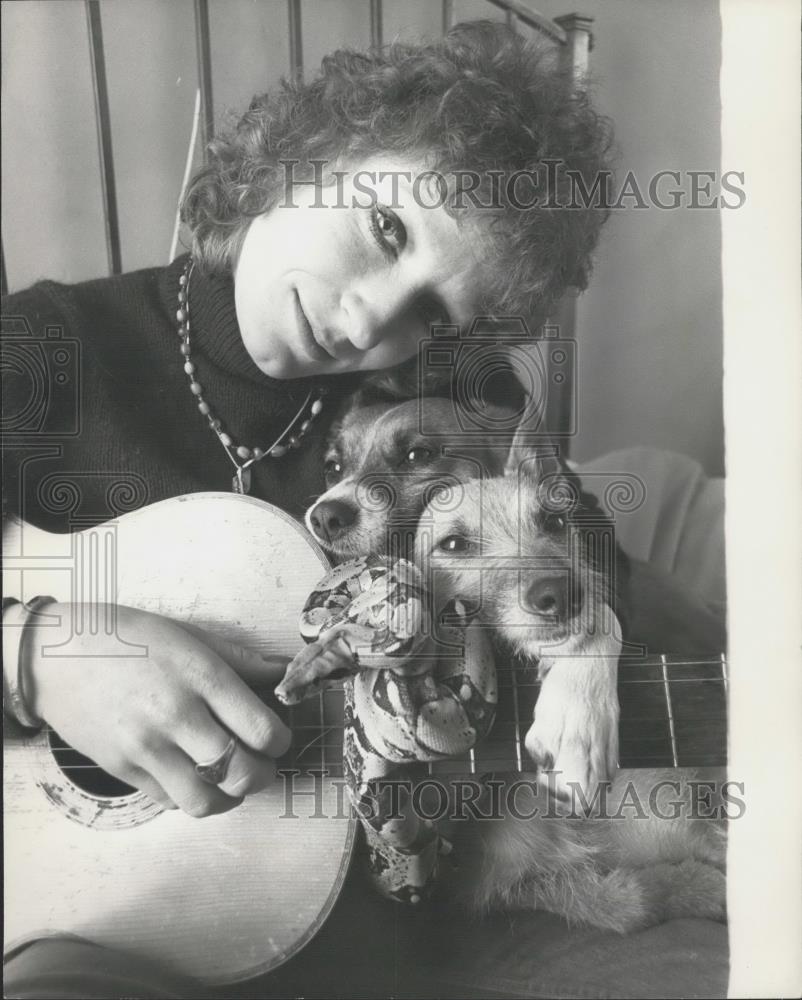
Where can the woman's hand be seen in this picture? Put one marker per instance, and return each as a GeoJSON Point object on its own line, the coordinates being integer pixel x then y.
{"type": "Point", "coordinates": [148, 719]}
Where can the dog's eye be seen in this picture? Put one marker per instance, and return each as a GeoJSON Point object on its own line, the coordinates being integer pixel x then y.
{"type": "Point", "coordinates": [455, 544]}
{"type": "Point", "coordinates": [333, 472]}
{"type": "Point", "coordinates": [418, 456]}
{"type": "Point", "coordinates": [554, 523]}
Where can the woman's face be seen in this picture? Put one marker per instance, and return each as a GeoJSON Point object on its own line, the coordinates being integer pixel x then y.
{"type": "Point", "coordinates": [345, 288]}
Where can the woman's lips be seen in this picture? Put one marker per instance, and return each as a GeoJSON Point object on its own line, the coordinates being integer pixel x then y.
{"type": "Point", "coordinates": [318, 346]}
{"type": "Point", "coordinates": [310, 345]}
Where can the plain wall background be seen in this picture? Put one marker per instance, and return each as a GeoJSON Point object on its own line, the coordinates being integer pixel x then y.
{"type": "Point", "coordinates": [650, 344]}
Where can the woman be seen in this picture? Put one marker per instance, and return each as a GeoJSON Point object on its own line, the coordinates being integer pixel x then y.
{"type": "Point", "coordinates": [330, 229]}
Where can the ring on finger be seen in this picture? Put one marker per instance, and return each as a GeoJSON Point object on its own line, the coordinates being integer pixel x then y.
{"type": "Point", "coordinates": [214, 772]}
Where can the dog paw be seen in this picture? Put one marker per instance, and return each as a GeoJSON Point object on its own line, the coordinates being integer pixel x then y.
{"type": "Point", "coordinates": [537, 747]}
{"type": "Point", "coordinates": [574, 742]}
{"type": "Point", "coordinates": [569, 764]}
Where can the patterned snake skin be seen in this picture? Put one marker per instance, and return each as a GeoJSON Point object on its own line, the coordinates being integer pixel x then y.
{"type": "Point", "coordinates": [367, 622]}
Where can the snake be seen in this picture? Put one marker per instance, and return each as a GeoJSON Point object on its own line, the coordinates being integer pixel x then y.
{"type": "Point", "coordinates": [408, 699]}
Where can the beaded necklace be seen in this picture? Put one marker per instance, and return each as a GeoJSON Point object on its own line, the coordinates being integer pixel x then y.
{"type": "Point", "coordinates": [242, 457]}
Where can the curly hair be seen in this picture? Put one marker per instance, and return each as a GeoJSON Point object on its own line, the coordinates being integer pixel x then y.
{"type": "Point", "coordinates": [481, 99]}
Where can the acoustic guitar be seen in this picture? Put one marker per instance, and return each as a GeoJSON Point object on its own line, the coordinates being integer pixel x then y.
{"type": "Point", "coordinates": [233, 896]}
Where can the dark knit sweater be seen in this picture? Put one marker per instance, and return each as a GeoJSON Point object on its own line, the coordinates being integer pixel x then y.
{"type": "Point", "coordinates": [98, 417]}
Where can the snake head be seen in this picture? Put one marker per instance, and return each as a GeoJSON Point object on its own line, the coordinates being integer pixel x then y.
{"type": "Point", "coordinates": [318, 666]}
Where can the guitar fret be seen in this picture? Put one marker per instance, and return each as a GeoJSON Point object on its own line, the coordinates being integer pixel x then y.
{"type": "Point", "coordinates": [322, 713]}
{"type": "Point", "coordinates": [516, 712]}
{"type": "Point", "coordinates": [664, 665]}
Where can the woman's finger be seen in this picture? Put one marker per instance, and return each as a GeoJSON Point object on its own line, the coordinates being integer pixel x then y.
{"type": "Point", "coordinates": [145, 783]}
{"type": "Point", "coordinates": [174, 771]}
{"type": "Point", "coordinates": [248, 773]}
{"type": "Point", "coordinates": [257, 669]}
{"type": "Point", "coordinates": [242, 712]}
{"type": "Point", "coordinates": [206, 742]}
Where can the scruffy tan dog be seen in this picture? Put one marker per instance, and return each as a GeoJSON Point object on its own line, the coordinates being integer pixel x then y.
{"type": "Point", "coordinates": [617, 866]}
{"type": "Point", "coordinates": [528, 572]}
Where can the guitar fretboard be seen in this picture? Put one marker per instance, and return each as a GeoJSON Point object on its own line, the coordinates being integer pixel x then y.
{"type": "Point", "coordinates": [317, 734]}
{"type": "Point", "coordinates": [673, 714]}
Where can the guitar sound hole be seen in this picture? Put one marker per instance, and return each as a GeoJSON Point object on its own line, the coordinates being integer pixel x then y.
{"type": "Point", "coordinates": [84, 773]}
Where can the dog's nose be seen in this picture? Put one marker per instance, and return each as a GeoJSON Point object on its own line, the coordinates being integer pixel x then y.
{"type": "Point", "coordinates": [331, 518]}
{"type": "Point", "coordinates": [554, 597]}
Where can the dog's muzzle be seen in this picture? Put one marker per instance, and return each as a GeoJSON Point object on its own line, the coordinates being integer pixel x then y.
{"type": "Point", "coordinates": [330, 519]}
{"type": "Point", "coordinates": [554, 598]}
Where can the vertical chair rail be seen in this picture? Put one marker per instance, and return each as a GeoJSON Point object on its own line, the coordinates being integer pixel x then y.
{"type": "Point", "coordinates": [376, 29]}
{"type": "Point", "coordinates": [575, 53]}
{"type": "Point", "coordinates": [447, 14]}
{"type": "Point", "coordinates": [295, 40]}
{"type": "Point", "coordinates": [572, 34]}
{"type": "Point", "coordinates": [574, 59]}
{"type": "Point", "coordinates": [111, 222]}
{"type": "Point", "coordinates": [560, 402]}
{"type": "Point", "coordinates": [204, 59]}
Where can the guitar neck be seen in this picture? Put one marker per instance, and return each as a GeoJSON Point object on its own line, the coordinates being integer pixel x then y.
{"type": "Point", "coordinates": [673, 714]}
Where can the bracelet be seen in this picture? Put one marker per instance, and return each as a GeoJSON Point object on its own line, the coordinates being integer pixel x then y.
{"type": "Point", "coordinates": [16, 617]}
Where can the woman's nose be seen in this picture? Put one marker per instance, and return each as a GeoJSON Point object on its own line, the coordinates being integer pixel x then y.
{"type": "Point", "coordinates": [373, 314]}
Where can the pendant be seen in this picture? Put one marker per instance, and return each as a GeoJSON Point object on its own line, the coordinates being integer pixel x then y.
{"type": "Point", "coordinates": [241, 483]}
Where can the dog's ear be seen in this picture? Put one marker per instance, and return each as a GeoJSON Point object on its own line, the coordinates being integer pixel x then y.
{"type": "Point", "coordinates": [532, 453]}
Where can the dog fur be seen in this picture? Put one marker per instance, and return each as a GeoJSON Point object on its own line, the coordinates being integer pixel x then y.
{"type": "Point", "coordinates": [376, 496]}
{"type": "Point", "coordinates": [619, 874]}
{"type": "Point", "coordinates": [390, 489]}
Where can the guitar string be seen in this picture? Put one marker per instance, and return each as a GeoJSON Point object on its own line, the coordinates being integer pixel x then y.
{"type": "Point", "coordinates": [335, 728]}
{"type": "Point", "coordinates": [628, 721]}
{"type": "Point", "coordinates": [704, 735]}
{"type": "Point", "coordinates": [63, 753]}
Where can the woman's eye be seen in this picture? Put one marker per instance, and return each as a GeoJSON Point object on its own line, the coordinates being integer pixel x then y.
{"type": "Point", "coordinates": [332, 472]}
{"type": "Point", "coordinates": [454, 543]}
{"type": "Point", "coordinates": [418, 456]}
{"type": "Point", "coordinates": [388, 230]}
{"type": "Point", "coordinates": [554, 523]}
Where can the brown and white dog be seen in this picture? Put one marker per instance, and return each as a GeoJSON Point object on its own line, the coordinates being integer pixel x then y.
{"type": "Point", "coordinates": [541, 576]}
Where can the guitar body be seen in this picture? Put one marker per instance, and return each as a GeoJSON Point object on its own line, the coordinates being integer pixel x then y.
{"type": "Point", "coordinates": [221, 899]}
